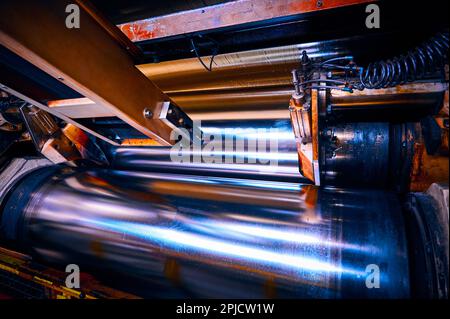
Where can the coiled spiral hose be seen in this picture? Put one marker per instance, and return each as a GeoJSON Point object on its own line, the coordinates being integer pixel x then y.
{"type": "Point", "coordinates": [415, 65]}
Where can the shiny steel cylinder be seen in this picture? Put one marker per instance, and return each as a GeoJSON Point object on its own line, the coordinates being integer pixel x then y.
{"type": "Point", "coordinates": [278, 160]}
{"type": "Point", "coordinates": [162, 235]}
{"type": "Point", "coordinates": [355, 154]}
{"type": "Point", "coordinates": [410, 103]}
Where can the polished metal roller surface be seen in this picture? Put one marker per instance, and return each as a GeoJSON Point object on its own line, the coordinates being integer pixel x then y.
{"type": "Point", "coordinates": [279, 162]}
{"type": "Point", "coordinates": [168, 235]}
{"type": "Point", "coordinates": [361, 148]}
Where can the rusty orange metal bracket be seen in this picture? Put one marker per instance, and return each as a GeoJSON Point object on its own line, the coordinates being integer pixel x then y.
{"type": "Point", "coordinates": [225, 15]}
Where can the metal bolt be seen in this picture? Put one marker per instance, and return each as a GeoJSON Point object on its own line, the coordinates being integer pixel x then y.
{"type": "Point", "coordinates": [319, 3]}
{"type": "Point", "coordinates": [148, 114]}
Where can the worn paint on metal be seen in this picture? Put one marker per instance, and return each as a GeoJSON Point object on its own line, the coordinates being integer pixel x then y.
{"type": "Point", "coordinates": [224, 15]}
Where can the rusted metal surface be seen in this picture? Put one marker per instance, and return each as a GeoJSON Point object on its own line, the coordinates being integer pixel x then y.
{"type": "Point", "coordinates": [87, 148]}
{"type": "Point", "coordinates": [225, 15]}
{"type": "Point", "coordinates": [86, 59]}
{"type": "Point", "coordinates": [52, 281]}
{"type": "Point", "coordinates": [315, 100]}
{"type": "Point", "coordinates": [432, 168]}
{"type": "Point", "coordinates": [301, 125]}
{"type": "Point", "coordinates": [139, 142]}
{"type": "Point", "coordinates": [113, 31]}
{"type": "Point", "coordinates": [400, 89]}
{"type": "Point", "coordinates": [443, 124]}
{"type": "Point", "coordinates": [427, 169]}
{"type": "Point", "coordinates": [304, 115]}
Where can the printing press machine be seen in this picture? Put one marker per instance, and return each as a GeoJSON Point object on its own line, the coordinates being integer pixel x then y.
{"type": "Point", "coordinates": [224, 149]}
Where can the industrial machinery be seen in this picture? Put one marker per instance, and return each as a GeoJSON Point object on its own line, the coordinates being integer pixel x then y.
{"type": "Point", "coordinates": [223, 149]}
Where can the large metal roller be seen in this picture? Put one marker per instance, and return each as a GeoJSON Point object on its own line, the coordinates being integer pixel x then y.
{"type": "Point", "coordinates": [234, 161]}
{"type": "Point", "coordinates": [166, 235]}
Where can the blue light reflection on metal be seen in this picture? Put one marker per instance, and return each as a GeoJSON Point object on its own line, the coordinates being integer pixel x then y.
{"type": "Point", "coordinates": [228, 237]}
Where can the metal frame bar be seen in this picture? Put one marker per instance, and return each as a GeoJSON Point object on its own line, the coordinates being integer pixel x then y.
{"type": "Point", "coordinates": [225, 15]}
{"type": "Point", "coordinates": [86, 59]}
{"type": "Point", "coordinates": [79, 108]}
{"type": "Point", "coordinates": [55, 113]}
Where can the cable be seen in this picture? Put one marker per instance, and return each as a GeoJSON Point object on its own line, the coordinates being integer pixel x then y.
{"type": "Point", "coordinates": [415, 65]}
{"type": "Point", "coordinates": [349, 58]}
{"type": "Point", "coordinates": [194, 48]}
{"type": "Point", "coordinates": [323, 80]}
{"type": "Point", "coordinates": [340, 88]}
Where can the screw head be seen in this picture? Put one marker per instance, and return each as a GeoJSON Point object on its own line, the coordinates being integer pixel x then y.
{"type": "Point", "coordinates": [148, 114]}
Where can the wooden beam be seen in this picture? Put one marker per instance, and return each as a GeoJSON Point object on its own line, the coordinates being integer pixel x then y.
{"type": "Point", "coordinates": [86, 59]}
